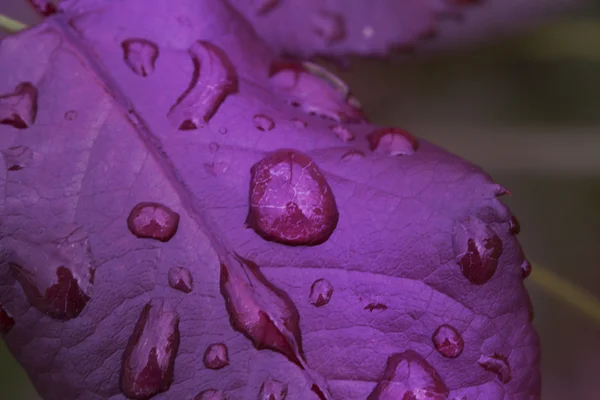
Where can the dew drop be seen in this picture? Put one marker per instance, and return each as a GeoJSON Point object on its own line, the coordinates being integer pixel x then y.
{"type": "Point", "coordinates": [272, 390]}
{"type": "Point", "coordinates": [70, 115]}
{"type": "Point", "coordinates": [216, 168]}
{"type": "Point", "coordinates": [211, 394]}
{"type": "Point", "coordinates": [7, 322]}
{"type": "Point", "coordinates": [526, 268]}
{"type": "Point", "coordinates": [216, 356]}
{"type": "Point", "coordinates": [448, 341]}
{"type": "Point", "coordinates": [330, 26]}
{"type": "Point", "coordinates": [513, 226]}
{"type": "Point", "coordinates": [477, 248]}
{"type": "Point", "coordinates": [263, 123]}
{"type": "Point", "coordinates": [180, 278]}
{"type": "Point", "coordinates": [17, 157]}
{"type": "Point", "coordinates": [353, 155]}
{"type": "Point", "coordinates": [213, 147]}
{"type": "Point", "coordinates": [140, 55]}
{"type": "Point", "coordinates": [342, 133]}
{"type": "Point", "coordinates": [393, 142]}
{"type": "Point", "coordinates": [320, 292]}
{"type": "Point", "coordinates": [498, 364]}
{"type": "Point", "coordinates": [290, 200]}
{"type": "Point", "coordinates": [19, 108]}
{"type": "Point", "coordinates": [376, 306]}
{"type": "Point", "coordinates": [263, 7]}
{"type": "Point", "coordinates": [214, 79]}
{"type": "Point", "coordinates": [408, 376]}
{"type": "Point", "coordinates": [223, 131]}
{"type": "Point", "coordinates": [298, 123]}
{"type": "Point", "coordinates": [153, 221]}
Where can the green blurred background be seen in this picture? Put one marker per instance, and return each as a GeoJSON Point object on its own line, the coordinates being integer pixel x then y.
{"type": "Point", "coordinates": [527, 109]}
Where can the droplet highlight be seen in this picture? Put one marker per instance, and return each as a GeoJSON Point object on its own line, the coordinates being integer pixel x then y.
{"type": "Point", "coordinates": [17, 157]}
{"type": "Point", "coordinates": [151, 220]}
{"type": "Point", "coordinates": [320, 292]}
{"type": "Point", "coordinates": [447, 341]}
{"type": "Point", "coordinates": [211, 394]}
{"type": "Point", "coordinates": [19, 108]}
{"type": "Point", "coordinates": [392, 142]}
{"type": "Point", "coordinates": [216, 356]}
{"type": "Point", "coordinates": [263, 123]}
{"type": "Point", "coordinates": [342, 133]}
{"type": "Point", "coordinates": [7, 322]}
{"type": "Point", "coordinates": [526, 268]}
{"type": "Point", "coordinates": [140, 55]}
{"type": "Point", "coordinates": [180, 278]}
{"type": "Point", "coordinates": [329, 26]}
{"type": "Point", "coordinates": [497, 364]}
{"type": "Point", "coordinates": [272, 390]}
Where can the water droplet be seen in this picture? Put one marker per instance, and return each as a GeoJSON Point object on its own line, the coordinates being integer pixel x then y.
{"type": "Point", "coordinates": [393, 142]}
{"type": "Point", "coordinates": [290, 200]}
{"type": "Point", "coordinates": [498, 364]}
{"type": "Point", "coordinates": [216, 168]}
{"type": "Point", "coordinates": [263, 7]}
{"type": "Point", "coordinates": [216, 356]}
{"type": "Point", "coordinates": [330, 26]}
{"type": "Point", "coordinates": [353, 155]}
{"type": "Point", "coordinates": [299, 123]}
{"type": "Point", "coordinates": [213, 147]}
{"type": "Point", "coordinates": [448, 341]}
{"type": "Point", "coordinates": [501, 191]}
{"type": "Point", "coordinates": [477, 248]}
{"type": "Point", "coordinates": [213, 80]}
{"type": "Point", "coordinates": [368, 31]}
{"type": "Point", "coordinates": [316, 90]}
{"type": "Point", "coordinates": [149, 357]}
{"type": "Point", "coordinates": [513, 226]}
{"type": "Point", "coordinates": [408, 376]}
{"type": "Point", "coordinates": [526, 268]}
{"type": "Point", "coordinates": [260, 311]}
{"type": "Point", "coordinates": [57, 276]}
{"type": "Point", "coordinates": [140, 55]}
{"type": "Point", "coordinates": [263, 123]}
{"type": "Point", "coordinates": [320, 292]}
{"type": "Point", "coordinates": [376, 306]}
{"type": "Point", "coordinates": [70, 115]}
{"type": "Point", "coordinates": [223, 131]}
{"type": "Point", "coordinates": [19, 108]}
{"type": "Point", "coordinates": [153, 221]}
{"type": "Point", "coordinates": [342, 133]}
{"type": "Point", "coordinates": [211, 394]}
{"type": "Point", "coordinates": [272, 390]}
{"type": "Point", "coordinates": [7, 322]}
{"type": "Point", "coordinates": [180, 278]}
{"type": "Point", "coordinates": [17, 157]}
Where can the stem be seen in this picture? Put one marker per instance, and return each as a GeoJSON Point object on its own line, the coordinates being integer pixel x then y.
{"type": "Point", "coordinates": [11, 25]}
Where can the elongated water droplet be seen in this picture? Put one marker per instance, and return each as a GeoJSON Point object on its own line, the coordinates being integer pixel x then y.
{"type": "Point", "coordinates": [448, 341]}
{"type": "Point", "coordinates": [353, 155]}
{"type": "Point", "coordinates": [7, 322]}
{"type": "Point", "coordinates": [498, 364]}
{"type": "Point", "coordinates": [213, 80]}
{"type": "Point", "coordinates": [376, 306]}
{"type": "Point", "coordinates": [408, 376]}
{"type": "Point", "coordinates": [263, 123]}
{"type": "Point", "coordinates": [213, 147]}
{"type": "Point", "coordinates": [320, 292]}
{"type": "Point", "coordinates": [290, 200]}
{"type": "Point", "coordinates": [211, 394]}
{"type": "Point", "coordinates": [263, 7]}
{"type": "Point", "coordinates": [260, 311]}
{"type": "Point", "coordinates": [216, 356]}
{"type": "Point", "coordinates": [477, 248]}
{"type": "Point", "coordinates": [393, 142]}
{"type": "Point", "coordinates": [342, 133]}
{"type": "Point", "coordinates": [513, 226]}
{"type": "Point", "coordinates": [17, 157]}
{"type": "Point", "coordinates": [149, 358]}
{"type": "Point", "coordinates": [19, 108]}
{"type": "Point", "coordinates": [526, 268]}
{"type": "Point", "coordinates": [140, 55]}
{"type": "Point", "coordinates": [153, 220]}
{"type": "Point", "coordinates": [180, 278]}
{"type": "Point", "coordinates": [272, 390]}
{"type": "Point", "coordinates": [330, 26]}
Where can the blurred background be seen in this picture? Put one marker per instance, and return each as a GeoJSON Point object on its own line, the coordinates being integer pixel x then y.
{"type": "Point", "coordinates": [526, 107]}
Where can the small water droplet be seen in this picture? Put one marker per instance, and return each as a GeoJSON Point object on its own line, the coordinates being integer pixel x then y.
{"type": "Point", "coordinates": [376, 306]}
{"type": "Point", "coordinates": [211, 394]}
{"type": "Point", "coordinates": [263, 123]}
{"type": "Point", "coordinates": [153, 221]}
{"type": "Point", "coordinates": [299, 123]}
{"type": "Point", "coordinates": [368, 31]}
{"type": "Point", "coordinates": [140, 55]}
{"type": "Point", "coordinates": [526, 268]}
{"type": "Point", "coordinates": [513, 226]}
{"type": "Point", "coordinates": [149, 357]}
{"type": "Point", "coordinates": [393, 142]}
{"type": "Point", "coordinates": [19, 108]}
{"type": "Point", "coordinates": [70, 115]}
{"type": "Point", "coordinates": [7, 322]}
{"type": "Point", "coordinates": [498, 364]}
{"type": "Point", "coordinates": [272, 390]}
{"type": "Point", "coordinates": [408, 376]}
{"type": "Point", "coordinates": [180, 278]}
{"type": "Point", "coordinates": [216, 168]}
{"type": "Point", "coordinates": [320, 292]}
{"type": "Point", "coordinates": [290, 200]}
{"type": "Point", "coordinates": [214, 79]}
{"type": "Point", "coordinates": [448, 341]}
{"type": "Point", "coordinates": [263, 7]}
{"type": "Point", "coordinates": [342, 133]}
{"type": "Point", "coordinates": [213, 147]}
{"type": "Point", "coordinates": [223, 131]}
{"type": "Point", "coordinates": [216, 356]}
{"type": "Point", "coordinates": [353, 155]}
{"type": "Point", "coordinates": [330, 26]}
{"type": "Point", "coordinates": [477, 248]}
{"type": "Point", "coordinates": [17, 157]}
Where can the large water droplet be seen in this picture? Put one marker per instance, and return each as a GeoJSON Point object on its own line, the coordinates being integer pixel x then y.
{"type": "Point", "coordinates": [330, 26]}
{"type": "Point", "coordinates": [7, 322]}
{"type": "Point", "coordinates": [513, 225]}
{"type": "Point", "coordinates": [320, 292]}
{"type": "Point", "coordinates": [216, 356]}
{"type": "Point", "coordinates": [17, 157]}
{"type": "Point", "coordinates": [526, 268]}
{"type": "Point", "coordinates": [272, 390]}
{"type": "Point", "coordinates": [353, 155]}
{"type": "Point", "coordinates": [290, 200]}
{"type": "Point", "coordinates": [140, 55]}
{"type": "Point", "coordinates": [315, 90]}
{"type": "Point", "coordinates": [260, 311]}
{"type": "Point", "coordinates": [448, 341]}
{"type": "Point", "coordinates": [213, 80]}
{"type": "Point", "coordinates": [498, 364]}
{"type": "Point", "coordinates": [211, 394]}
{"type": "Point", "coordinates": [19, 108]}
{"type": "Point", "coordinates": [263, 7]}
{"type": "Point", "coordinates": [342, 133]}
{"type": "Point", "coordinates": [263, 123]}
{"type": "Point", "coordinates": [393, 142]}
{"type": "Point", "coordinates": [180, 278]}
{"type": "Point", "coordinates": [149, 357]}
{"type": "Point", "coordinates": [153, 221]}
{"type": "Point", "coordinates": [408, 376]}
{"type": "Point", "coordinates": [477, 248]}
